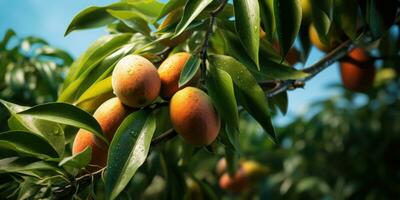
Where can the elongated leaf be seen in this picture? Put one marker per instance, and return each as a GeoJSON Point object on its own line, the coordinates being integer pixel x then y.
{"type": "Point", "coordinates": [78, 160]}
{"type": "Point", "coordinates": [147, 10]}
{"type": "Point", "coordinates": [67, 114]}
{"type": "Point", "coordinates": [192, 9]}
{"type": "Point", "coordinates": [52, 132]}
{"type": "Point", "coordinates": [247, 23]}
{"type": "Point", "coordinates": [9, 34]}
{"type": "Point", "coordinates": [26, 143]}
{"type": "Point", "coordinates": [304, 38]}
{"type": "Point", "coordinates": [288, 21]}
{"type": "Point", "coordinates": [84, 68]}
{"type": "Point", "coordinates": [99, 47]}
{"type": "Point", "coordinates": [128, 150]}
{"type": "Point", "coordinates": [32, 169]}
{"type": "Point", "coordinates": [93, 17]}
{"type": "Point", "coordinates": [137, 45]}
{"type": "Point", "coordinates": [232, 161]}
{"type": "Point", "coordinates": [268, 18]}
{"type": "Point", "coordinates": [221, 90]}
{"type": "Point", "coordinates": [136, 24]}
{"type": "Point", "coordinates": [321, 18]}
{"type": "Point", "coordinates": [73, 164]}
{"type": "Point", "coordinates": [170, 6]}
{"type": "Point", "coordinates": [346, 17]}
{"type": "Point", "coordinates": [189, 70]}
{"type": "Point", "coordinates": [54, 52]}
{"type": "Point", "coordinates": [100, 88]}
{"type": "Point", "coordinates": [380, 15]}
{"type": "Point", "coordinates": [280, 101]}
{"type": "Point", "coordinates": [247, 90]}
{"type": "Point", "coordinates": [270, 66]}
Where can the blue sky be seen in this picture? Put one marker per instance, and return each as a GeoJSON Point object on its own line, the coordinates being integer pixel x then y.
{"type": "Point", "coordinates": [50, 18]}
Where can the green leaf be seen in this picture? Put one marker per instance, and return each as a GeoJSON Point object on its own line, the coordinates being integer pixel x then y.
{"type": "Point", "coordinates": [248, 92]}
{"type": "Point", "coordinates": [137, 25]}
{"type": "Point", "coordinates": [28, 189]}
{"type": "Point", "coordinates": [100, 88]}
{"type": "Point", "coordinates": [85, 66]}
{"type": "Point", "coordinates": [96, 51]}
{"type": "Point", "coordinates": [268, 18]}
{"type": "Point", "coordinates": [147, 10]}
{"type": "Point", "coordinates": [321, 18]}
{"type": "Point", "coordinates": [192, 9]}
{"type": "Point", "coordinates": [221, 90]}
{"type": "Point", "coordinates": [247, 23]}
{"type": "Point", "coordinates": [232, 161]}
{"type": "Point", "coordinates": [272, 68]}
{"type": "Point", "coordinates": [170, 6]}
{"type": "Point", "coordinates": [189, 70]}
{"type": "Point", "coordinates": [78, 161]}
{"type": "Point", "coordinates": [47, 75]}
{"type": "Point", "coordinates": [281, 102]}
{"type": "Point", "coordinates": [67, 114]}
{"type": "Point", "coordinates": [31, 40]}
{"type": "Point", "coordinates": [128, 150]}
{"type": "Point", "coordinates": [288, 20]}
{"type": "Point", "coordinates": [380, 15]}
{"type": "Point", "coordinates": [93, 17]}
{"type": "Point", "coordinates": [9, 34]}
{"type": "Point", "coordinates": [304, 37]}
{"type": "Point", "coordinates": [50, 131]}
{"type": "Point", "coordinates": [270, 65]}
{"type": "Point", "coordinates": [27, 143]}
{"type": "Point", "coordinates": [345, 15]}
{"type": "Point", "coordinates": [21, 166]}
{"type": "Point", "coordinates": [54, 52]}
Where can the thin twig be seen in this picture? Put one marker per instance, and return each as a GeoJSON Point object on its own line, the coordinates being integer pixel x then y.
{"type": "Point", "coordinates": [167, 135]}
{"type": "Point", "coordinates": [269, 84]}
{"type": "Point", "coordinates": [203, 52]}
{"type": "Point", "coordinates": [314, 69]}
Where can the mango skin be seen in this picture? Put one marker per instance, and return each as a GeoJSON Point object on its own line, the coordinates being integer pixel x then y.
{"type": "Point", "coordinates": [109, 115]}
{"type": "Point", "coordinates": [194, 117]}
{"type": "Point", "coordinates": [170, 72]}
{"type": "Point", "coordinates": [248, 173]}
{"type": "Point", "coordinates": [238, 183]}
{"type": "Point", "coordinates": [358, 75]}
{"type": "Point", "coordinates": [135, 81]}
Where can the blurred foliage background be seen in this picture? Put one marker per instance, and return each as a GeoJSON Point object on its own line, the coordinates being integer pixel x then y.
{"type": "Point", "coordinates": [31, 70]}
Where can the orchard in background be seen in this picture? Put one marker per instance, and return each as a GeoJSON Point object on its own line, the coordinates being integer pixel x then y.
{"type": "Point", "coordinates": [176, 102]}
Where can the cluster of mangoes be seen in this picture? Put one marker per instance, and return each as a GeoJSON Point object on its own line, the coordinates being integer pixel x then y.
{"type": "Point", "coordinates": [137, 83]}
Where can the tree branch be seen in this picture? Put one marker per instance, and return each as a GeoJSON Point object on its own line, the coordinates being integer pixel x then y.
{"type": "Point", "coordinates": [313, 70]}
{"type": "Point", "coordinates": [81, 182]}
